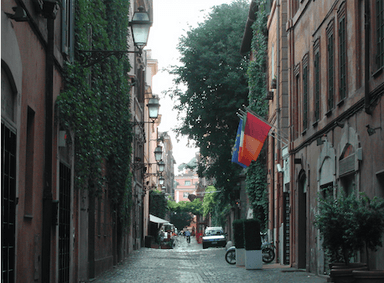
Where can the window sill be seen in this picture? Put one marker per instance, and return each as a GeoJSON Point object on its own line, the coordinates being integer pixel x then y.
{"type": "Point", "coordinates": [28, 216]}
{"type": "Point", "coordinates": [341, 102]}
{"type": "Point", "coordinates": [304, 132]}
{"type": "Point", "coordinates": [378, 72]}
{"type": "Point", "coordinates": [329, 113]}
{"type": "Point", "coordinates": [315, 123]}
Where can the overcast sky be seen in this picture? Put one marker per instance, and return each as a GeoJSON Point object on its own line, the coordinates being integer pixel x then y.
{"type": "Point", "coordinates": [171, 19]}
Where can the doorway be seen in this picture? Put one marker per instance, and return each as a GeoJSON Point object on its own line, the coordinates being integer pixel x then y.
{"type": "Point", "coordinates": [302, 221]}
{"type": "Point", "coordinates": [8, 203]}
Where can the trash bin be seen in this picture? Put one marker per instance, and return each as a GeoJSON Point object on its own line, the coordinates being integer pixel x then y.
{"type": "Point", "coordinates": [148, 241]}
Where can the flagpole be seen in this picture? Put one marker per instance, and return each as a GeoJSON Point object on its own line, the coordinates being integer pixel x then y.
{"type": "Point", "coordinates": [277, 136]}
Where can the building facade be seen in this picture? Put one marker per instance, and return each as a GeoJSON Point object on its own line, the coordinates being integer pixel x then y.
{"type": "Point", "coordinates": [53, 231]}
{"type": "Point", "coordinates": [325, 88]}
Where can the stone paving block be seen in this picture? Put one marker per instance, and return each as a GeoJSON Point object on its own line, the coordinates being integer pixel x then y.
{"type": "Point", "coordinates": [189, 263]}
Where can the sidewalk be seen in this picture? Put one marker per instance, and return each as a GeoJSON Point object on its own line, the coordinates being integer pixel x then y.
{"type": "Point", "coordinates": [189, 263]}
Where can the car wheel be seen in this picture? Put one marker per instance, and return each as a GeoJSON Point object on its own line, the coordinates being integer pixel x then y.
{"type": "Point", "coordinates": [204, 246]}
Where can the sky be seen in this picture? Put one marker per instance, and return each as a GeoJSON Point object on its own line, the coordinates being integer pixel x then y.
{"type": "Point", "coordinates": [171, 20]}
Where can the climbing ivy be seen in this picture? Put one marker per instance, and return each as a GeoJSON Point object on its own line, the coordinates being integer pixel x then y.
{"type": "Point", "coordinates": [256, 183]}
{"type": "Point", "coordinates": [94, 105]}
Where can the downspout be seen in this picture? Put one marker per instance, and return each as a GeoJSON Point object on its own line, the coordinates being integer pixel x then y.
{"type": "Point", "coordinates": [47, 191]}
{"type": "Point", "coordinates": [278, 156]}
{"type": "Point", "coordinates": [367, 26]}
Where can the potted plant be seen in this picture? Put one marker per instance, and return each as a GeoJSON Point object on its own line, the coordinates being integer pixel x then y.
{"type": "Point", "coordinates": [369, 219]}
{"type": "Point", "coordinates": [252, 244]}
{"type": "Point", "coordinates": [335, 221]}
{"type": "Point", "coordinates": [347, 224]}
{"type": "Point", "coordinates": [238, 237]}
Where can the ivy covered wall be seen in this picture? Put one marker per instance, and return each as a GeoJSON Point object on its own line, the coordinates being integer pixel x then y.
{"type": "Point", "coordinates": [256, 176]}
{"type": "Point", "coordinates": [94, 107]}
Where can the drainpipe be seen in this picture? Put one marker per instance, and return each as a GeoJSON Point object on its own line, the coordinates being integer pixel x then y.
{"type": "Point", "coordinates": [367, 50]}
{"type": "Point", "coordinates": [47, 193]}
{"type": "Point", "coordinates": [49, 10]}
{"type": "Point", "coordinates": [278, 156]}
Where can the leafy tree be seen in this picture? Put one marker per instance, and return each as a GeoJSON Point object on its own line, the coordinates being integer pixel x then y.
{"type": "Point", "coordinates": [214, 72]}
{"type": "Point", "coordinates": [209, 200]}
{"type": "Point", "coordinates": [181, 219]}
{"type": "Point", "coordinates": [194, 207]}
{"type": "Point", "coordinates": [182, 212]}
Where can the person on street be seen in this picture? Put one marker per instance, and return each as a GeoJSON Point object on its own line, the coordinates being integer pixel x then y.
{"type": "Point", "coordinates": [188, 235]}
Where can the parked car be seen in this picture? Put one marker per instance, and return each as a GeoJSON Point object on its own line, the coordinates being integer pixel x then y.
{"type": "Point", "coordinates": [214, 237]}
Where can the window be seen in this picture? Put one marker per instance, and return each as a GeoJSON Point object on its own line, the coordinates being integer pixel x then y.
{"type": "Point", "coordinates": [331, 66]}
{"type": "Point", "coordinates": [67, 29]}
{"type": "Point", "coordinates": [305, 92]}
{"type": "Point", "coordinates": [295, 6]}
{"type": "Point", "coordinates": [187, 183]}
{"type": "Point", "coordinates": [28, 202]}
{"type": "Point", "coordinates": [342, 54]}
{"type": "Point", "coordinates": [295, 104]}
{"type": "Point", "coordinates": [185, 194]}
{"type": "Point", "coordinates": [380, 33]}
{"type": "Point", "coordinates": [317, 80]}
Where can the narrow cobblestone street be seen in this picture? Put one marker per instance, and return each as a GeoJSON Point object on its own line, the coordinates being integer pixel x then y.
{"type": "Point", "coordinates": [189, 263]}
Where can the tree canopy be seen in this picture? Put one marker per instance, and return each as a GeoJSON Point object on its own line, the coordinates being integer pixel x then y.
{"type": "Point", "coordinates": [182, 212]}
{"type": "Point", "coordinates": [214, 73]}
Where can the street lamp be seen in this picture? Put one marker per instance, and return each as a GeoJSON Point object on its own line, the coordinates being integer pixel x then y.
{"type": "Point", "coordinates": [161, 180]}
{"type": "Point", "coordinates": [158, 153]}
{"type": "Point", "coordinates": [161, 165]}
{"type": "Point", "coordinates": [153, 107]}
{"type": "Point", "coordinates": [140, 26]}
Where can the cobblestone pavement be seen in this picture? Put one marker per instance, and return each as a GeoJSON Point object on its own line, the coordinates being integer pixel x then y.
{"type": "Point", "coordinates": [189, 263]}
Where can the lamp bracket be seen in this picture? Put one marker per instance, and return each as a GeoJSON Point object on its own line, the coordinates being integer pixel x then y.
{"type": "Point", "coordinates": [141, 165]}
{"type": "Point", "coordinates": [92, 57]}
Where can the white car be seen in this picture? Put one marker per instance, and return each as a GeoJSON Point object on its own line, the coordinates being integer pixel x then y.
{"type": "Point", "coordinates": [214, 237]}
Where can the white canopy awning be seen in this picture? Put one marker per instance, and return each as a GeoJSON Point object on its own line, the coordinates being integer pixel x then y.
{"type": "Point", "coordinates": [156, 219]}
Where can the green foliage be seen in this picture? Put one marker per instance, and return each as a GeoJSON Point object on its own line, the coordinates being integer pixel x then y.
{"type": "Point", "coordinates": [194, 207]}
{"type": "Point", "coordinates": [181, 219]}
{"type": "Point", "coordinates": [238, 233]}
{"type": "Point", "coordinates": [256, 72]}
{"type": "Point", "coordinates": [94, 106]}
{"type": "Point", "coordinates": [256, 188]}
{"type": "Point", "coordinates": [348, 223]}
{"type": "Point", "coordinates": [252, 238]}
{"type": "Point", "coordinates": [256, 182]}
{"type": "Point", "coordinates": [369, 217]}
{"type": "Point", "coordinates": [214, 72]}
{"type": "Point", "coordinates": [209, 200]}
{"type": "Point", "coordinates": [182, 212]}
{"type": "Point", "coordinates": [157, 203]}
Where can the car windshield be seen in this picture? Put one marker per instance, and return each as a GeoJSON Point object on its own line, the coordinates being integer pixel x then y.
{"type": "Point", "coordinates": [213, 232]}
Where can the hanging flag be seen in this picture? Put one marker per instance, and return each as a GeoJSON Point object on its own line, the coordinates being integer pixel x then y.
{"type": "Point", "coordinates": [242, 138]}
{"type": "Point", "coordinates": [255, 133]}
{"type": "Point", "coordinates": [235, 153]}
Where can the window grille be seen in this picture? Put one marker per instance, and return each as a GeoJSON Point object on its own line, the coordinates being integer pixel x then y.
{"type": "Point", "coordinates": [8, 203]}
{"type": "Point", "coordinates": [64, 223]}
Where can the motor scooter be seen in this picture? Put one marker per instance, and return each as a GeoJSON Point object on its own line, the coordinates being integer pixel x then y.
{"type": "Point", "coordinates": [267, 250]}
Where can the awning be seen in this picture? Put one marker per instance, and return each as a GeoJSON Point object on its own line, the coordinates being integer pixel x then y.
{"type": "Point", "coordinates": [156, 219]}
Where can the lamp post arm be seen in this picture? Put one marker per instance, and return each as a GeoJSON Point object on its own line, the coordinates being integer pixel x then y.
{"type": "Point", "coordinates": [92, 57]}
